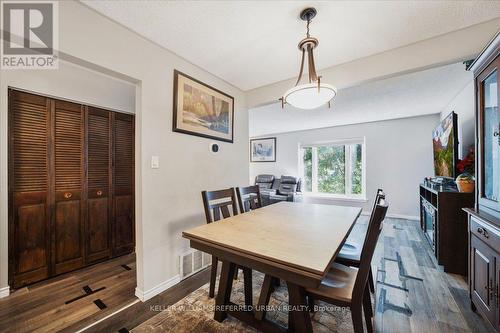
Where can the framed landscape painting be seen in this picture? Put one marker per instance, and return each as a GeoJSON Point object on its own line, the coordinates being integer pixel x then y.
{"type": "Point", "coordinates": [263, 150]}
{"type": "Point", "coordinates": [202, 110]}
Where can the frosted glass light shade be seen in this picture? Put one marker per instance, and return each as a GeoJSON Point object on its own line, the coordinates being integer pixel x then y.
{"type": "Point", "coordinates": [307, 96]}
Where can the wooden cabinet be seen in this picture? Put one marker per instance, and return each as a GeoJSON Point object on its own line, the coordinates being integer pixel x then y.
{"type": "Point", "coordinates": [483, 263]}
{"type": "Point", "coordinates": [71, 186]}
{"type": "Point", "coordinates": [484, 267]}
{"type": "Point", "coordinates": [484, 220]}
{"type": "Point", "coordinates": [488, 129]}
{"type": "Point", "coordinates": [444, 224]}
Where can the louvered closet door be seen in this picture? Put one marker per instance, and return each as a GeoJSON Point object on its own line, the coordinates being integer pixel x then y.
{"type": "Point", "coordinates": [68, 136]}
{"type": "Point", "coordinates": [29, 237]}
{"type": "Point", "coordinates": [123, 226]}
{"type": "Point", "coordinates": [98, 180]}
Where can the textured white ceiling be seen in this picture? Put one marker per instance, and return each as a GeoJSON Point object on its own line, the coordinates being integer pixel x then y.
{"type": "Point", "coordinates": [254, 43]}
{"type": "Point", "coordinates": [409, 95]}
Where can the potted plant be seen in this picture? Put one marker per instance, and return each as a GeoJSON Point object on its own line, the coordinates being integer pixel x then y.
{"type": "Point", "coordinates": [465, 180]}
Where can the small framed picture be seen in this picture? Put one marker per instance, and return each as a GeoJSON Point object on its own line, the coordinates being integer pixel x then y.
{"type": "Point", "coordinates": [263, 150]}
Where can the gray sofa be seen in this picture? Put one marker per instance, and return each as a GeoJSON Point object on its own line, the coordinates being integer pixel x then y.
{"type": "Point", "coordinates": [272, 189]}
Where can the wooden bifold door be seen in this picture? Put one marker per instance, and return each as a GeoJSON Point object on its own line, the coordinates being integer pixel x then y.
{"type": "Point", "coordinates": [71, 186]}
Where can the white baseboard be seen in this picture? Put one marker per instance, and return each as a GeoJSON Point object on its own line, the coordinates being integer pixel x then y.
{"type": "Point", "coordinates": [396, 216]}
{"type": "Point", "coordinates": [148, 294]}
{"type": "Point", "coordinates": [4, 292]}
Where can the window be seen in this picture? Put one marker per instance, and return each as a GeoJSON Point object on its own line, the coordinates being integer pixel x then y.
{"type": "Point", "coordinates": [334, 169]}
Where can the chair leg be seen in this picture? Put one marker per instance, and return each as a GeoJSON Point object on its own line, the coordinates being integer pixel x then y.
{"type": "Point", "coordinates": [213, 277]}
{"type": "Point", "coordinates": [367, 307]}
{"type": "Point", "coordinates": [371, 284]}
{"type": "Point", "coordinates": [357, 318]}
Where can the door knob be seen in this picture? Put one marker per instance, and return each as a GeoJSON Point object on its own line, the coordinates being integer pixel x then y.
{"type": "Point", "coordinates": [99, 193]}
{"type": "Point", "coordinates": [68, 195]}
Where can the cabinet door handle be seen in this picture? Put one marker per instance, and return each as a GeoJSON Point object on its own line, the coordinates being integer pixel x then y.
{"type": "Point", "coordinates": [483, 232]}
{"type": "Point", "coordinates": [99, 193]}
{"type": "Point", "coordinates": [68, 195]}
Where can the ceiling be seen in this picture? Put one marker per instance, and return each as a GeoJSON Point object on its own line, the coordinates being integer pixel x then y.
{"type": "Point", "coordinates": [254, 43]}
{"type": "Point", "coordinates": [409, 95]}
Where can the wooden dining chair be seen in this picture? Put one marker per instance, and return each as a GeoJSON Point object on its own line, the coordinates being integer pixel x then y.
{"type": "Point", "coordinates": [219, 205]}
{"type": "Point", "coordinates": [346, 286]}
{"type": "Point", "coordinates": [350, 254]}
{"type": "Point", "coordinates": [249, 198]}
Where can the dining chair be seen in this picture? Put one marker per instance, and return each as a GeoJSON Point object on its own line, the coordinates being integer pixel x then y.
{"type": "Point", "coordinates": [249, 198]}
{"type": "Point", "coordinates": [346, 286]}
{"type": "Point", "coordinates": [219, 205]}
{"type": "Point", "coordinates": [350, 254]}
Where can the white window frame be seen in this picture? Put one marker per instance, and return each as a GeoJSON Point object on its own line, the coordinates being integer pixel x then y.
{"type": "Point", "coordinates": [348, 158]}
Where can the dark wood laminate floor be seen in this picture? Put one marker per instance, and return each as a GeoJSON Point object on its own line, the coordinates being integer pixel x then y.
{"type": "Point", "coordinates": [413, 292]}
{"type": "Point", "coordinates": [71, 301]}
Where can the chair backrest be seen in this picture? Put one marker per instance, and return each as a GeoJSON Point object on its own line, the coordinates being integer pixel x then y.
{"type": "Point", "coordinates": [380, 195]}
{"type": "Point", "coordinates": [216, 204]}
{"type": "Point", "coordinates": [264, 181]}
{"type": "Point", "coordinates": [249, 198]}
{"type": "Point", "coordinates": [374, 229]}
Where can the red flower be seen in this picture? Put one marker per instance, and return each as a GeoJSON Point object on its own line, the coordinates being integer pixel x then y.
{"type": "Point", "coordinates": [467, 164]}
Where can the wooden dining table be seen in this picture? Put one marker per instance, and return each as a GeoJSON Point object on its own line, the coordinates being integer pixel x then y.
{"type": "Point", "coordinates": [295, 242]}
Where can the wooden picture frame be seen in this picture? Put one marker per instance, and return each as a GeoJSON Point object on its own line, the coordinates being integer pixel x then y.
{"type": "Point", "coordinates": [266, 152]}
{"type": "Point", "coordinates": [202, 110]}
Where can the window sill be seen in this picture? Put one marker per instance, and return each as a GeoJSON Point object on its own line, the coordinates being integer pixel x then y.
{"type": "Point", "coordinates": [334, 197]}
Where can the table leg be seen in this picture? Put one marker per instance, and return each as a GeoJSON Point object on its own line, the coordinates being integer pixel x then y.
{"type": "Point", "coordinates": [265, 294]}
{"type": "Point", "coordinates": [299, 313]}
{"type": "Point", "coordinates": [224, 294]}
{"type": "Point", "coordinates": [213, 276]}
{"type": "Point", "coordinates": [247, 279]}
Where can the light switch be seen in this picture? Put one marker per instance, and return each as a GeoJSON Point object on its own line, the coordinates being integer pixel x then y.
{"type": "Point", "coordinates": [155, 162]}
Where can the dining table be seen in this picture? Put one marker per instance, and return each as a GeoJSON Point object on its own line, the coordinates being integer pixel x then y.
{"type": "Point", "coordinates": [290, 241]}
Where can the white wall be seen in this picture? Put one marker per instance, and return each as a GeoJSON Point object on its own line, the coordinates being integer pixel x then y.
{"type": "Point", "coordinates": [168, 199]}
{"type": "Point", "coordinates": [74, 83]}
{"type": "Point", "coordinates": [398, 157]}
{"type": "Point", "coordinates": [463, 105]}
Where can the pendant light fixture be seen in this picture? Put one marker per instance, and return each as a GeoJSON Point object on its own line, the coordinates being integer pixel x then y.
{"type": "Point", "coordinates": [314, 93]}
